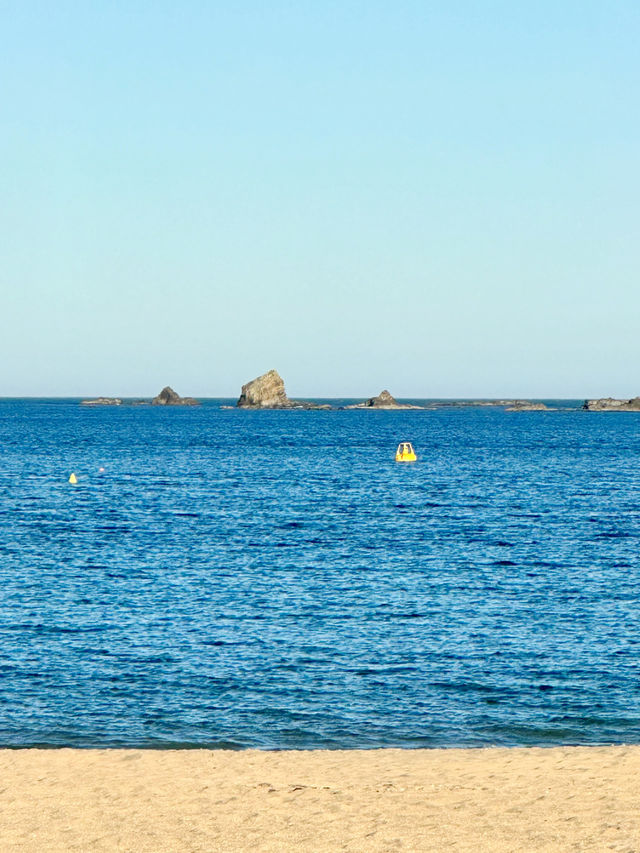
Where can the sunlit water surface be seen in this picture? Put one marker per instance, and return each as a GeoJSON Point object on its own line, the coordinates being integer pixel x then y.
{"type": "Point", "coordinates": [276, 580]}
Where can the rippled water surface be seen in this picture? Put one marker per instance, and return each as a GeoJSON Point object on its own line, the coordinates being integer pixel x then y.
{"type": "Point", "coordinates": [276, 580]}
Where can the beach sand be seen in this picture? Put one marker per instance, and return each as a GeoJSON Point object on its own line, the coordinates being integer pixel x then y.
{"type": "Point", "coordinates": [574, 798]}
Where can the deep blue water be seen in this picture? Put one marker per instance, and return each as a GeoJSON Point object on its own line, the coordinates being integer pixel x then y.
{"type": "Point", "coordinates": [276, 580]}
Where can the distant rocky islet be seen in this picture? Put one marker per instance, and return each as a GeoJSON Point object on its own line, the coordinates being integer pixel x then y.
{"type": "Point", "coordinates": [526, 406]}
{"type": "Point", "coordinates": [384, 400]}
{"type": "Point", "coordinates": [102, 401]}
{"type": "Point", "coordinates": [168, 397]}
{"type": "Point", "coordinates": [610, 404]}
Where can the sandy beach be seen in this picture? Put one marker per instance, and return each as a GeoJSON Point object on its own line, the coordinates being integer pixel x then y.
{"type": "Point", "coordinates": [573, 798]}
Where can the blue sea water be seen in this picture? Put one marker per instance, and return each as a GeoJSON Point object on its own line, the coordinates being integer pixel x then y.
{"type": "Point", "coordinates": [274, 579]}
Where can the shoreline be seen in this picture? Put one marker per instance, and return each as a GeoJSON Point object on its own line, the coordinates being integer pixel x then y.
{"type": "Point", "coordinates": [476, 799]}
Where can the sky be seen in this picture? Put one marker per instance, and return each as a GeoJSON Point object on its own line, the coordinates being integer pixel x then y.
{"type": "Point", "coordinates": [441, 199]}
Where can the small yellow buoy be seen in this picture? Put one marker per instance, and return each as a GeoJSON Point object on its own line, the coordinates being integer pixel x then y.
{"type": "Point", "coordinates": [405, 452]}
{"type": "Point", "coordinates": [73, 479]}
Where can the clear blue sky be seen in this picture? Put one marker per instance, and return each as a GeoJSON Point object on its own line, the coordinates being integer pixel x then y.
{"type": "Point", "coordinates": [441, 199]}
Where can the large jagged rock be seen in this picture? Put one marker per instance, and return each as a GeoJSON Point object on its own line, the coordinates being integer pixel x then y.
{"type": "Point", "coordinates": [264, 392]}
{"type": "Point", "coordinates": [267, 392]}
{"type": "Point", "coordinates": [168, 397]}
{"type": "Point", "coordinates": [384, 400]}
{"type": "Point", "coordinates": [609, 404]}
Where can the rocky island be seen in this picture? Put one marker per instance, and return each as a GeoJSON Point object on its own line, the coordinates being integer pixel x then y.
{"type": "Point", "coordinates": [168, 397]}
{"type": "Point", "coordinates": [384, 400]}
{"type": "Point", "coordinates": [267, 392]}
{"type": "Point", "coordinates": [609, 404]}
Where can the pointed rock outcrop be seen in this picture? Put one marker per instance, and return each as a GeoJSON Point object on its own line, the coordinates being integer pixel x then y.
{"type": "Point", "coordinates": [168, 397]}
{"type": "Point", "coordinates": [384, 400]}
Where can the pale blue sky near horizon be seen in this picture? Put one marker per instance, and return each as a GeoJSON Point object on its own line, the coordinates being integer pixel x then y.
{"type": "Point", "coordinates": [438, 199]}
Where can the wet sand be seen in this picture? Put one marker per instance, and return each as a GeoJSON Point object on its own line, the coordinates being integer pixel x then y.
{"type": "Point", "coordinates": [573, 799]}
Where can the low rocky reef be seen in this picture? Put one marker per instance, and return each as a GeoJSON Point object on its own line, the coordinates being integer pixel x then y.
{"type": "Point", "coordinates": [527, 406]}
{"type": "Point", "coordinates": [609, 404]}
{"type": "Point", "coordinates": [267, 392]}
{"type": "Point", "coordinates": [384, 400]}
{"type": "Point", "coordinates": [167, 397]}
{"type": "Point", "coordinates": [103, 401]}
{"type": "Point", "coordinates": [509, 405]}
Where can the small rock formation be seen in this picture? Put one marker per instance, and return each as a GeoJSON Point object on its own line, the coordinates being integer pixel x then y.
{"type": "Point", "coordinates": [384, 400]}
{"type": "Point", "coordinates": [267, 392]}
{"type": "Point", "coordinates": [102, 401]}
{"type": "Point", "coordinates": [168, 397]}
{"type": "Point", "coordinates": [526, 406]}
{"type": "Point", "coordinates": [609, 404]}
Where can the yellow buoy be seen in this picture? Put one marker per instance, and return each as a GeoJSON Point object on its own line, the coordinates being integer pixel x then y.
{"type": "Point", "coordinates": [73, 479]}
{"type": "Point", "coordinates": [405, 452]}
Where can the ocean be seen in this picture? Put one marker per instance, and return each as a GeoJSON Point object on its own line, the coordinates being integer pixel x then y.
{"type": "Point", "coordinates": [274, 579]}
